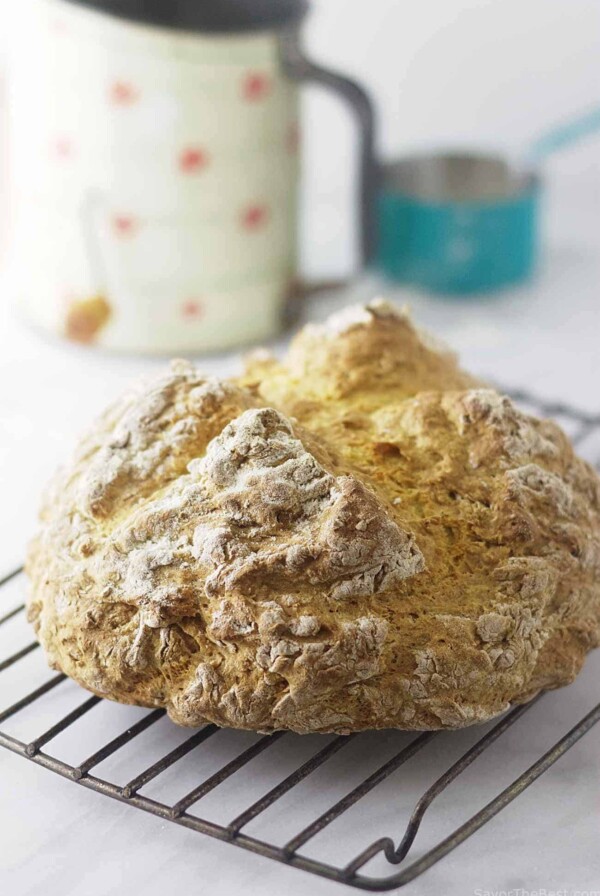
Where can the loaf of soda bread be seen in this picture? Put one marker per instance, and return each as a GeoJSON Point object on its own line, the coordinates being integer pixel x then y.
{"type": "Point", "coordinates": [359, 536]}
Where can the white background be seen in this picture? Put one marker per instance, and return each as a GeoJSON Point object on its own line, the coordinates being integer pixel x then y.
{"type": "Point", "coordinates": [470, 73]}
{"type": "Point", "coordinates": [491, 73]}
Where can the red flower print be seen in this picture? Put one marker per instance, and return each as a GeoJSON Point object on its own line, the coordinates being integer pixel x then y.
{"type": "Point", "coordinates": [62, 148]}
{"type": "Point", "coordinates": [292, 139]}
{"type": "Point", "coordinates": [124, 225]}
{"type": "Point", "coordinates": [192, 310]}
{"type": "Point", "coordinates": [121, 93]}
{"type": "Point", "coordinates": [255, 217]}
{"type": "Point", "coordinates": [59, 26]}
{"type": "Point", "coordinates": [256, 86]}
{"type": "Point", "coordinates": [192, 160]}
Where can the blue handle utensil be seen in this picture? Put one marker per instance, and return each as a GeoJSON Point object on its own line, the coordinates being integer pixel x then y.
{"type": "Point", "coordinates": [466, 223]}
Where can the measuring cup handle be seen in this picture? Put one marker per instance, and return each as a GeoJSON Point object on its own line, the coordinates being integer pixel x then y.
{"type": "Point", "coordinates": [298, 67]}
{"type": "Point", "coordinates": [564, 135]}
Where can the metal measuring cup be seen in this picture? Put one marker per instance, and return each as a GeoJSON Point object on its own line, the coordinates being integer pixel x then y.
{"type": "Point", "coordinates": [460, 223]}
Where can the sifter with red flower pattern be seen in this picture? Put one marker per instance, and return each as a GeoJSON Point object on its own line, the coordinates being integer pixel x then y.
{"type": "Point", "coordinates": [156, 170]}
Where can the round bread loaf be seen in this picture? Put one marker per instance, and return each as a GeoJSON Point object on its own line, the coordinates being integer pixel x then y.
{"type": "Point", "coordinates": [362, 536]}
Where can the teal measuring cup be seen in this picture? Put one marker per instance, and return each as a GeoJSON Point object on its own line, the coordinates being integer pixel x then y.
{"type": "Point", "coordinates": [461, 223]}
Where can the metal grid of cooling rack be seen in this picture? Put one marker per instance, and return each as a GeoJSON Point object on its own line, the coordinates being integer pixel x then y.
{"type": "Point", "coordinates": [581, 427]}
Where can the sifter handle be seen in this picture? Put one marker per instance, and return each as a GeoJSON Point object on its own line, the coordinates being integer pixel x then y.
{"type": "Point", "coordinates": [298, 67]}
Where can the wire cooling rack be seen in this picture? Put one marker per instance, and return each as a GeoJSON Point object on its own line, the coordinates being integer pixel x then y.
{"type": "Point", "coordinates": [583, 429]}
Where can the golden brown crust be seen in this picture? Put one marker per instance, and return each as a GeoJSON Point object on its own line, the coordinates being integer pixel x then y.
{"type": "Point", "coordinates": [360, 537]}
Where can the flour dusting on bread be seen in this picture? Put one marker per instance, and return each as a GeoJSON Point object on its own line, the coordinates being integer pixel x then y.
{"type": "Point", "coordinates": [275, 512]}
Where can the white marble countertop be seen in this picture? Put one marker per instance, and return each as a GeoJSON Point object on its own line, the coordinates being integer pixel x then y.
{"type": "Point", "coordinates": [59, 839]}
